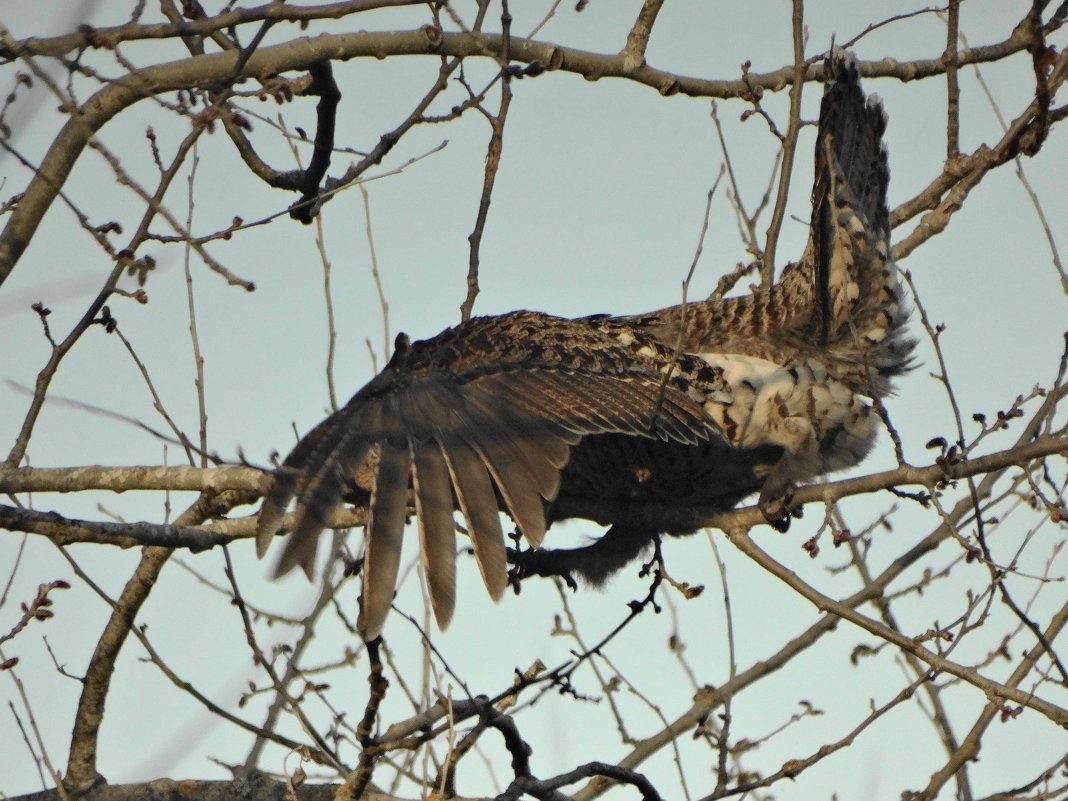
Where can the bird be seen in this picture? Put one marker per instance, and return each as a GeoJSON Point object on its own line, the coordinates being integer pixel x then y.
{"type": "Point", "coordinates": [644, 423]}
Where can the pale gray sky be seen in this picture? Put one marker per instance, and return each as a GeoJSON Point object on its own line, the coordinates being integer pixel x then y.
{"type": "Point", "coordinates": [597, 208]}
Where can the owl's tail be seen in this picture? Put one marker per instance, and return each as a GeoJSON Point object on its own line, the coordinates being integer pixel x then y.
{"type": "Point", "coordinates": [861, 311]}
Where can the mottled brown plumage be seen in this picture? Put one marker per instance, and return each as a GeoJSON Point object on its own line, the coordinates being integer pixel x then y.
{"type": "Point", "coordinates": [644, 423]}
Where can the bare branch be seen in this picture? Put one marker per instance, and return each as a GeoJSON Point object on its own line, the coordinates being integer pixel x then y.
{"type": "Point", "coordinates": [300, 53]}
{"type": "Point", "coordinates": [740, 538]}
{"type": "Point", "coordinates": [65, 531]}
{"type": "Point", "coordinates": [952, 84]}
{"type": "Point", "coordinates": [638, 38]}
{"type": "Point", "coordinates": [789, 145]}
{"type": "Point", "coordinates": [493, 163]}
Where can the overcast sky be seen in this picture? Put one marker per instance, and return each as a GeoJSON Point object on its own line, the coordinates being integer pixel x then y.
{"type": "Point", "coordinates": [598, 207]}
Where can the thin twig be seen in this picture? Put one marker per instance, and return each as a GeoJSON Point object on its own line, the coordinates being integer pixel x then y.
{"type": "Point", "coordinates": [723, 746]}
{"type": "Point", "coordinates": [952, 84]}
{"type": "Point", "coordinates": [789, 146]}
{"type": "Point", "coordinates": [993, 689]}
{"type": "Point", "coordinates": [493, 163]}
{"type": "Point", "coordinates": [1022, 176]}
{"type": "Point", "coordinates": [383, 304]}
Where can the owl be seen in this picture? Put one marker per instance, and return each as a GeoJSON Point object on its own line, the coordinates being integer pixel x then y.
{"type": "Point", "coordinates": [645, 424]}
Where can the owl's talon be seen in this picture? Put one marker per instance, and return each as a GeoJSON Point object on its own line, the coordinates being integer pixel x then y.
{"type": "Point", "coordinates": [538, 562]}
{"type": "Point", "coordinates": [775, 504]}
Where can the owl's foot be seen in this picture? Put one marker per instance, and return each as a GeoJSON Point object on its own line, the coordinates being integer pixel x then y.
{"type": "Point", "coordinates": [594, 563]}
{"type": "Point", "coordinates": [541, 562]}
{"type": "Point", "coordinates": [775, 503]}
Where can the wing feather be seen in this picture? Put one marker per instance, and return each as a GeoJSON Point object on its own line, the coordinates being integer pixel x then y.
{"type": "Point", "coordinates": [319, 495]}
{"type": "Point", "coordinates": [437, 531]}
{"type": "Point", "coordinates": [474, 493]}
{"type": "Point", "coordinates": [291, 478]}
{"type": "Point", "coordinates": [540, 448]}
{"type": "Point", "coordinates": [385, 524]}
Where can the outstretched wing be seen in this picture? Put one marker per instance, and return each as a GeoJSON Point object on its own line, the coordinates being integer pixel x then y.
{"type": "Point", "coordinates": [480, 419]}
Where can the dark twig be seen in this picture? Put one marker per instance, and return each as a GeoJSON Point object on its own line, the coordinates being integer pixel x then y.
{"type": "Point", "coordinates": [323, 85]}
{"type": "Point", "coordinates": [952, 84]}
{"type": "Point", "coordinates": [546, 788]}
{"type": "Point", "coordinates": [1043, 60]}
{"type": "Point", "coordinates": [389, 140]}
{"type": "Point", "coordinates": [358, 780]}
{"type": "Point", "coordinates": [525, 783]}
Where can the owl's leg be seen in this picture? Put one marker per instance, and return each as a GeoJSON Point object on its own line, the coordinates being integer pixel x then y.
{"type": "Point", "coordinates": [593, 563]}
{"type": "Point", "coordinates": [799, 455]}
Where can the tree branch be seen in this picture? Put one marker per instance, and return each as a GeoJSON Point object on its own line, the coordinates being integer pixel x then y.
{"type": "Point", "coordinates": [254, 786]}
{"type": "Point", "coordinates": [993, 690]}
{"type": "Point", "coordinates": [247, 480]}
{"type": "Point", "coordinates": [299, 54]}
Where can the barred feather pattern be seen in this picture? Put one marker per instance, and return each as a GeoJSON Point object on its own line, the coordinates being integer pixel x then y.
{"type": "Point", "coordinates": [644, 423]}
{"type": "Point", "coordinates": [841, 303]}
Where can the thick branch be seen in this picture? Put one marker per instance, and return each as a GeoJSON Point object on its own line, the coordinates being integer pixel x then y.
{"type": "Point", "coordinates": [257, 787]}
{"type": "Point", "coordinates": [121, 479]}
{"type": "Point", "coordinates": [87, 36]}
{"type": "Point", "coordinates": [220, 531]}
{"type": "Point", "coordinates": [302, 53]}
{"type": "Point", "coordinates": [81, 762]}
{"type": "Point", "coordinates": [65, 531]}
{"type": "Point", "coordinates": [901, 476]}
{"type": "Point", "coordinates": [638, 38]}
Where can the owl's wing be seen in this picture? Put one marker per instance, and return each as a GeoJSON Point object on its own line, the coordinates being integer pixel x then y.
{"type": "Point", "coordinates": [485, 440]}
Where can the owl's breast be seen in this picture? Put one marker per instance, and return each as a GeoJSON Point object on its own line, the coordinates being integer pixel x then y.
{"type": "Point", "coordinates": [821, 424]}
